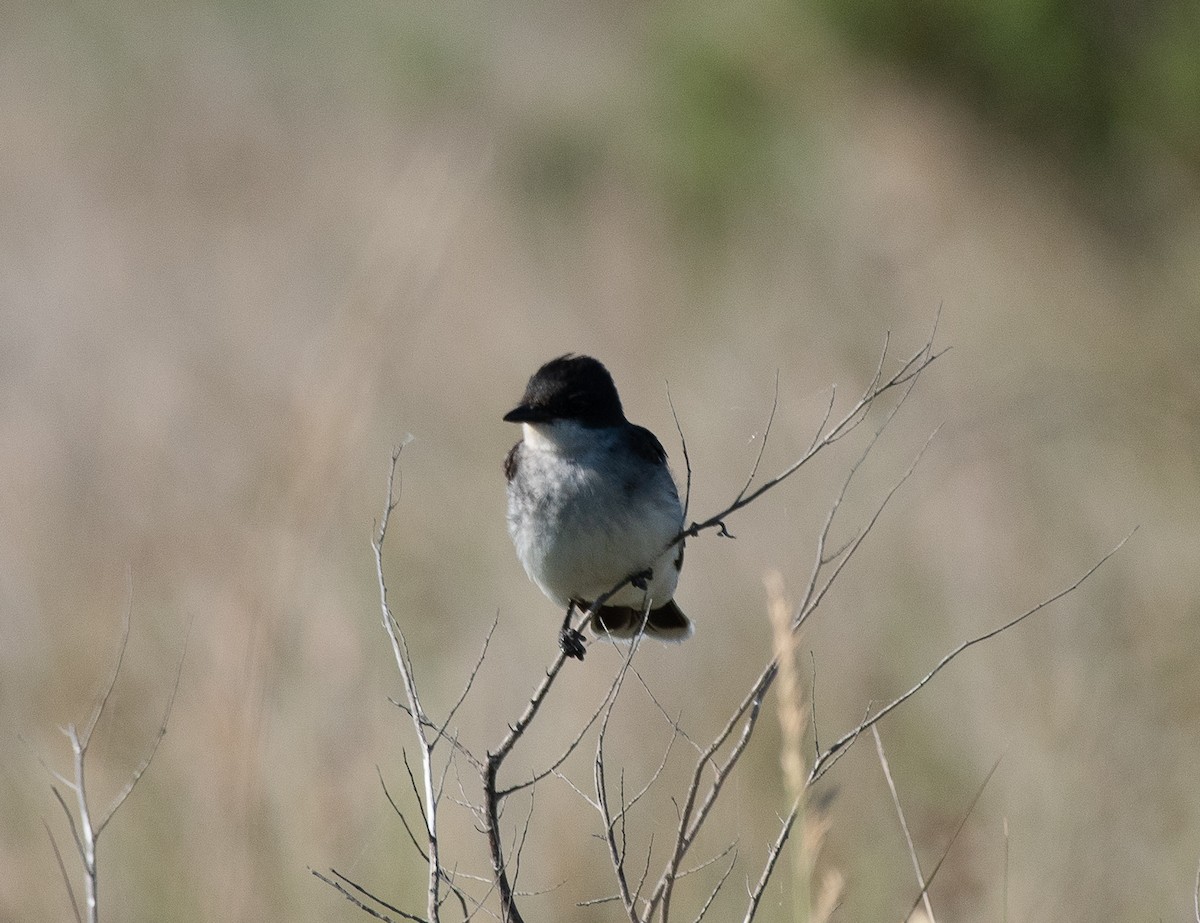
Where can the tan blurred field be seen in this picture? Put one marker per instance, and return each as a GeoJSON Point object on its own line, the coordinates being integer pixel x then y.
{"type": "Point", "coordinates": [245, 250]}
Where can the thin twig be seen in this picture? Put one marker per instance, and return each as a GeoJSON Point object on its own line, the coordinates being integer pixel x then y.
{"type": "Point", "coordinates": [712, 896]}
{"type": "Point", "coordinates": [1004, 917]}
{"type": "Point", "coordinates": [571, 747]}
{"type": "Point", "coordinates": [1196, 895]}
{"type": "Point", "coordinates": [617, 854]}
{"type": "Point", "coordinates": [732, 847]}
{"type": "Point", "coordinates": [487, 640]}
{"type": "Point", "coordinates": [62, 802]}
{"type": "Point", "coordinates": [773, 854]}
{"type": "Point", "coordinates": [428, 796]}
{"type": "Point", "coordinates": [687, 461]}
{"type": "Point", "coordinates": [962, 823]}
{"type": "Point", "coordinates": [360, 904]}
{"type": "Point", "coordinates": [63, 869]}
{"type": "Point", "coordinates": [842, 557]}
{"type": "Point", "coordinates": [912, 849]}
{"type": "Point", "coordinates": [695, 810]}
{"type": "Point", "coordinates": [908, 372]}
{"type": "Point", "coordinates": [403, 820]}
{"type": "Point", "coordinates": [126, 622]}
{"type": "Point", "coordinates": [491, 799]}
{"type": "Point", "coordinates": [133, 780]}
{"type": "Point", "coordinates": [520, 844]}
{"type": "Point", "coordinates": [86, 829]}
{"type": "Point", "coordinates": [762, 444]}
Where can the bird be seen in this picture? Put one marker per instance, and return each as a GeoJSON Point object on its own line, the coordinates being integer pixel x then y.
{"type": "Point", "coordinates": [592, 506]}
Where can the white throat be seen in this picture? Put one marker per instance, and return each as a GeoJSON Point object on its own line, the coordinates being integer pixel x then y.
{"type": "Point", "coordinates": [559, 436]}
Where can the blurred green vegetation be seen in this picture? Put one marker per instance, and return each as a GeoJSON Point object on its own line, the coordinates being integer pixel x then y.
{"type": "Point", "coordinates": [1080, 76]}
{"type": "Point", "coordinates": [1104, 85]}
{"type": "Point", "coordinates": [1110, 90]}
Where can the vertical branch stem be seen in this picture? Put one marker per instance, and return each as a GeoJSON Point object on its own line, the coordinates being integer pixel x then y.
{"type": "Point", "coordinates": [87, 834]}
{"type": "Point", "coordinates": [415, 709]}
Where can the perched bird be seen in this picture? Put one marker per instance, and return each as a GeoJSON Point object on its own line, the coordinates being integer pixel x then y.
{"type": "Point", "coordinates": [591, 503]}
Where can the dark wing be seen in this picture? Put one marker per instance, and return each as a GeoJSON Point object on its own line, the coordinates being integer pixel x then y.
{"type": "Point", "coordinates": [646, 445]}
{"type": "Point", "coordinates": [510, 462]}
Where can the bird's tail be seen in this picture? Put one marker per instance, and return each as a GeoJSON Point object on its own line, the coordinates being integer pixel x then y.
{"type": "Point", "coordinates": [666, 623]}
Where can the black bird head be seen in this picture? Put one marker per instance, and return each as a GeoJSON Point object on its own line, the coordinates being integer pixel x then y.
{"type": "Point", "coordinates": [574, 388]}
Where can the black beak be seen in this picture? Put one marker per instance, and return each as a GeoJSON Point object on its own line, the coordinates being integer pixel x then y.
{"type": "Point", "coordinates": [524, 413]}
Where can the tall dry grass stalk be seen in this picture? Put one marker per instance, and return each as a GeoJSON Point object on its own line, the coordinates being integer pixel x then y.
{"type": "Point", "coordinates": [815, 894]}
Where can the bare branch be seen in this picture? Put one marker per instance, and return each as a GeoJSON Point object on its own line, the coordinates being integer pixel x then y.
{"type": "Point", "coordinates": [820, 431]}
{"type": "Point", "coordinates": [454, 742]}
{"type": "Point", "coordinates": [822, 760]}
{"type": "Point", "coordinates": [654, 777]}
{"type": "Point", "coordinates": [412, 781]}
{"type": "Point", "coordinates": [637, 892]}
{"type": "Point", "coordinates": [695, 810]}
{"type": "Point", "coordinates": [390, 625]}
{"type": "Point", "coordinates": [491, 797]}
{"type": "Point", "coordinates": [1004, 895]}
{"type": "Point", "coordinates": [615, 852]}
{"type": "Point", "coordinates": [812, 703]}
{"type": "Point", "coordinates": [359, 903]}
{"type": "Point", "coordinates": [908, 373]}
{"type": "Point", "coordinates": [912, 849]}
{"type": "Point", "coordinates": [597, 901]}
{"type": "Point", "coordinates": [428, 796]}
{"type": "Point", "coordinates": [85, 829]}
{"type": "Point", "coordinates": [571, 747]}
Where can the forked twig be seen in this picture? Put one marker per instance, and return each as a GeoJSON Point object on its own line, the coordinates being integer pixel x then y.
{"type": "Point", "coordinates": [908, 372]}
{"type": "Point", "coordinates": [85, 827]}
{"type": "Point", "coordinates": [427, 796]}
{"type": "Point", "coordinates": [346, 892]}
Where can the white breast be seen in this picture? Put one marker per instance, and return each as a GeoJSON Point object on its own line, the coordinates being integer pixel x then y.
{"type": "Point", "coordinates": [585, 515]}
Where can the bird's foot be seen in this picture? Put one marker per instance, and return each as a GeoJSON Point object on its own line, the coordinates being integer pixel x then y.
{"type": "Point", "coordinates": [641, 580]}
{"type": "Point", "coordinates": [570, 640]}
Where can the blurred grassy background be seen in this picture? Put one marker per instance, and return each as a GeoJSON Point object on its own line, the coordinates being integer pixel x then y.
{"type": "Point", "coordinates": [245, 248]}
